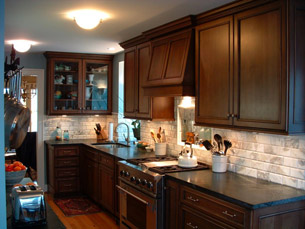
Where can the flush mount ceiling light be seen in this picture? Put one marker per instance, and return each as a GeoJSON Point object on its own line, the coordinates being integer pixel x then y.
{"type": "Point", "coordinates": [22, 45]}
{"type": "Point", "coordinates": [88, 19]}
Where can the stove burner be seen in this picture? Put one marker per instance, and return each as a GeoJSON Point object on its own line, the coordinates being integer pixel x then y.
{"type": "Point", "coordinates": [176, 168]}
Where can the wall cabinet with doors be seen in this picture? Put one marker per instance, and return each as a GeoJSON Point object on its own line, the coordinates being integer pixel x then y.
{"type": "Point", "coordinates": [136, 104]}
{"type": "Point", "coordinates": [79, 83]}
{"type": "Point", "coordinates": [241, 69]}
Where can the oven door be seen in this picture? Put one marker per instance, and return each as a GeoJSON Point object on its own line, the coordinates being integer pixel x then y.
{"type": "Point", "coordinates": [137, 209]}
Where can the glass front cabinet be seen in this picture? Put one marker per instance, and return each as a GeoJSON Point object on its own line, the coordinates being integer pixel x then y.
{"type": "Point", "coordinates": [79, 83]}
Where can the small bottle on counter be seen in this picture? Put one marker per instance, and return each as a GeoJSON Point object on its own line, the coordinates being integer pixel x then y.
{"type": "Point", "coordinates": [58, 134]}
{"type": "Point", "coordinates": [66, 135]}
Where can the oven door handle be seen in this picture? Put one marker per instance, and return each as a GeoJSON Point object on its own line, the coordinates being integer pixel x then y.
{"type": "Point", "coordinates": [133, 195]}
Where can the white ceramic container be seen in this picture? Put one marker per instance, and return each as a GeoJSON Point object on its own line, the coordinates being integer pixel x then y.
{"type": "Point", "coordinates": [219, 163]}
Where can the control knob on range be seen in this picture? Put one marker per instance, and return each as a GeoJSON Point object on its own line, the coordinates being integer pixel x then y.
{"type": "Point", "coordinates": [132, 179]}
{"type": "Point", "coordinates": [144, 182]}
{"type": "Point", "coordinates": [126, 174]}
{"type": "Point", "coordinates": [122, 172]}
{"type": "Point", "coordinates": [150, 185]}
{"type": "Point", "coordinates": [138, 181]}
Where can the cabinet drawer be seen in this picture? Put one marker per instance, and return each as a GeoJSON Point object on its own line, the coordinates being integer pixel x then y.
{"type": "Point", "coordinates": [67, 172]}
{"type": "Point", "coordinates": [106, 160]}
{"type": "Point", "coordinates": [228, 212]}
{"type": "Point", "coordinates": [91, 155]}
{"type": "Point", "coordinates": [194, 220]}
{"type": "Point", "coordinates": [66, 151]}
{"type": "Point", "coordinates": [66, 162]}
{"type": "Point", "coordinates": [68, 185]}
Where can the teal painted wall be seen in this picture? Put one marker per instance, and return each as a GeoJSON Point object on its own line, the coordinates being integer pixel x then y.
{"type": "Point", "coordinates": [2, 172]}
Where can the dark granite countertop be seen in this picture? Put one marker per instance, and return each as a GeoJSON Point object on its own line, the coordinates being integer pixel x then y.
{"type": "Point", "coordinates": [242, 190]}
{"type": "Point", "coordinates": [123, 153]}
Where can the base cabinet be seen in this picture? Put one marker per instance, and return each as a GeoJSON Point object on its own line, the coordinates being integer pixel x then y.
{"type": "Point", "coordinates": [63, 170]}
{"type": "Point", "coordinates": [190, 208]}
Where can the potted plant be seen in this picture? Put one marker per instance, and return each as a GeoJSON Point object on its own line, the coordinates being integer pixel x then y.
{"type": "Point", "coordinates": [136, 129]}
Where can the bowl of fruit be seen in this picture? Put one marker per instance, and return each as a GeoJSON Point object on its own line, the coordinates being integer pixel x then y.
{"type": "Point", "coordinates": [14, 173]}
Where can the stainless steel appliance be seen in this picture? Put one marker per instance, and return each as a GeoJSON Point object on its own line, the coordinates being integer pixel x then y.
{"type": "Point", "coordinates": [141, 188]}
{"type": "Point", "coordinates": [28, 206]}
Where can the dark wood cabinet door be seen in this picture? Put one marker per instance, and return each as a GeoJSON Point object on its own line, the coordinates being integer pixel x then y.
{"type": "Point", "coordinates": [106, 191]}
{"type": "Point", "coordinates": [97, 86]}
{"type": "Point", "coordinates": [297, 67]}
{"type": "Point", "coordinates": [64, 86]}
{"type": "Point", "coordinates": [172, 204]}
{"type": "Point", "coordinates": [214, 71]}
{"type": "Point", "coordinates": [260, 69]}
{"type": "Point", "coordinates": [93, 181]}
{"type": "Point", "coordinates": [130, 91]}
{"type": "Point", "coordinates": [143, 107]}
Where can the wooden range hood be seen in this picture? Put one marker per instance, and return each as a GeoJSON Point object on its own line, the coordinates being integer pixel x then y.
{"type": "Point", "coordinates": [171, 69]}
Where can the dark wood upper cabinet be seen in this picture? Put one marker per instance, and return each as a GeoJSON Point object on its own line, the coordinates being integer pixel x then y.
{"type": "Point", "coordinates": [260, 69]}
{"type": "Point", "coordinates": [136, 104]}
{"type": "Point", "coordinates": [171, 66]}
{"type": "Point", "coordinates": [79, 83]}
{"type": "Point", "coordinates": [255, 91]}
{"type": "Point", "coordinates": [214, 71]}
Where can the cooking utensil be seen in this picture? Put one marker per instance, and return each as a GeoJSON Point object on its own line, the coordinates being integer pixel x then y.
{"type": "Point", "coordinates": [16, 117]}
{"type": "Point", "coordinates": [218, 140]}
{"type": "Point", "coordinates": [207, 145]}
{"type": "Point", "coordinates": [159, 137]}
{"type": "Point", "coordinates": [152, 134]}
{"type": "Point", "coordinates": [163, 138]}
{"type": "Point", "coordinates": [228, 145]}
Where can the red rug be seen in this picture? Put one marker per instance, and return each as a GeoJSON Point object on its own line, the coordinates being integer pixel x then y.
{"type": "Point", "coordinates": [72, 206]}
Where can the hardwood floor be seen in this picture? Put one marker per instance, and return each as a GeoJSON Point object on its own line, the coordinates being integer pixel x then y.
{"type": "Point", "coordinates": [98, 220]}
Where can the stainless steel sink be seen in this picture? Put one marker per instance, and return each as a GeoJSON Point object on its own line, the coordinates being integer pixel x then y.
{"type": "Point", "coordinates": [110, 145]}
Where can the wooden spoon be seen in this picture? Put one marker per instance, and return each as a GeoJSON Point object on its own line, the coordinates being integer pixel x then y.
{"type": "Point", "coordinates": [152, 134]}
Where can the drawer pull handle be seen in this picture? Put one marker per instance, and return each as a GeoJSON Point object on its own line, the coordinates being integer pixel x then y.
{"type": "Point", "coordinates": [67, 185]}
{"type": "Point", "coordinates": [191, 226]}
{"type": "Point", "coordinates": [192, 199]}
{"type": "Point", "coordinates": [228, 214]}
{"type": "Point", "coordinates": [67, 162]}
{"type": "Point", "coordinates": [67, 151]}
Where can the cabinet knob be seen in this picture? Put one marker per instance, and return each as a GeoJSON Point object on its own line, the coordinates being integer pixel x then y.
{"type": "Point", "coordinates": [228, 115]}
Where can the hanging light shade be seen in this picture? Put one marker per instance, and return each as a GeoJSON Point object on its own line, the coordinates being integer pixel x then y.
{"type": "Point", "coordinates": [22, 45]}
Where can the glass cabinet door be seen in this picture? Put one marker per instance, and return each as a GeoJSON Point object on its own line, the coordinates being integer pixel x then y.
{"type": "Point", "coordinates": [66, 81]}
{"type": "Point", "coordinates": [97, 86]}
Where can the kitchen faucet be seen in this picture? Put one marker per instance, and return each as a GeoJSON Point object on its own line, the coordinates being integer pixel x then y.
{"type": "Point", "coordinates": [116, 130]}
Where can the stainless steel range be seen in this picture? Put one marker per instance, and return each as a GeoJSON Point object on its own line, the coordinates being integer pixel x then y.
{"type": "Point", "coordinates": [141, 189]}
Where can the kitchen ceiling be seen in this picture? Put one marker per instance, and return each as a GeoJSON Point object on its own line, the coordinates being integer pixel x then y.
{"type": "Point", "coordinates": [46, 22]}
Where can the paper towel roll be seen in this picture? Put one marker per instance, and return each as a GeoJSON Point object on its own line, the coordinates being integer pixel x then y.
{"type": "Point", "coordinates": [110, 131]}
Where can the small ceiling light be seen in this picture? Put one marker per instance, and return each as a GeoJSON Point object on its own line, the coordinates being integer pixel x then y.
{"type": "Point", "coordinates": [22, 45]}
{"type": "Point", "coordinates": [88, 19]}
{"type": "Point", "coordinates": [187, 102]}
{"type": "Point", "coordinates": [111, 49]}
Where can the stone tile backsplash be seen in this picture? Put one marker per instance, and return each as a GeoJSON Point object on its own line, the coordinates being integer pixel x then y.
{"type": "Point", "coordinates": [82, 127]}
{"type": "Point", "coordinates": [276, 158]}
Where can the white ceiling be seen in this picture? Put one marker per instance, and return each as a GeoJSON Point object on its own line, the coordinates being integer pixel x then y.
{"type": "Point", "coordinates": [45, 21]}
